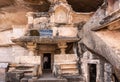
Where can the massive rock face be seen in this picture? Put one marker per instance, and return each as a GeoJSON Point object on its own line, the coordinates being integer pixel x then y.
{"type": "Point", "coordinates": [13, 12]}
{"type": "Point", "coordinates": [103, 42]}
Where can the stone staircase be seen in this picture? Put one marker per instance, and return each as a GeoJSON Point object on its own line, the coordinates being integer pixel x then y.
{"type": "Point", "coordinates": [27, 69]}
{"type": "Point", "coordinates": [70, 68]}
{"type": "Point", "coordinates": [65, 64]}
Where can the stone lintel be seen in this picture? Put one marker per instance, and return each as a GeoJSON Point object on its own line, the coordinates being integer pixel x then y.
{"type": "Point", "coordinates": [46, 40]}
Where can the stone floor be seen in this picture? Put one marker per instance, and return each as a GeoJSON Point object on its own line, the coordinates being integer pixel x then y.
{"type": "Point", "coordinates": [46, 77]}
{"type": "Point", "coordinates": [49, 77]}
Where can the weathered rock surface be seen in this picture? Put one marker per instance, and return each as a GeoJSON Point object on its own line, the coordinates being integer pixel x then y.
{"type": "Point", "coordinates": [103, 42]}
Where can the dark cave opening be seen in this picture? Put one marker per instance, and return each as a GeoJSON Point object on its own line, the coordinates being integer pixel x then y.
{"type": "Point", "coordinates": [92, 72]}
{"type": "Point", "coordinates": [85, 5]}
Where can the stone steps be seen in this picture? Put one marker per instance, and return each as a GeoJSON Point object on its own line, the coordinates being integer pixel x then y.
{"type": "Point", "coordinates": [74, 78]}
{"type": "Point", "coordinates": [71, 78]}
{"type": "Point", "coordinates": [70, 71]}
{"type": "Point", "coordinates": [69, 68]}
{"type": "Point", "coordinates": [44, 80]}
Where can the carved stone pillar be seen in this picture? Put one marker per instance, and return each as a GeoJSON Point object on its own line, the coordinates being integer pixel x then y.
{"type": "Point", "coordinates": [31, 47]}
{"type": "Point", "coordinates": [62, 46]}
{"type": "Point", "coordinates": [30, 19]}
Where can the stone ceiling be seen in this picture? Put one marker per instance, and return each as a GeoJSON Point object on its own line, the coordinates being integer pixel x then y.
{"type": "Point", "coordinates": [85, 5]}
{"type": "Point", "coordinates": [43, 5]}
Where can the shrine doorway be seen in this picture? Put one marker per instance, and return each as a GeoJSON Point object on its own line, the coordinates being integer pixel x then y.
{"type": "Point", "coordinates": [92, 72]}
{"type": "Point", "coordinates": [47, 61]}
{"type": "Point", "coordinates": [47, 69]}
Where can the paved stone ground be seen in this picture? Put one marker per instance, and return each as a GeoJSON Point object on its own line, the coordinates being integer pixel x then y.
{"type": "Point", "coordinates": [49, 77]}
{"type": "Point", "coordinates": [46, 77]}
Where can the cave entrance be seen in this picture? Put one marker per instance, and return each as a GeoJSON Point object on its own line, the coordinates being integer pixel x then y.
{"type": "Point", "coordinates": [92, 72]}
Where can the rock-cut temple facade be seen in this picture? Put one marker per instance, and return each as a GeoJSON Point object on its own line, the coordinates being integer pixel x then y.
{"type": "Point", "coordinates": [63, 45]}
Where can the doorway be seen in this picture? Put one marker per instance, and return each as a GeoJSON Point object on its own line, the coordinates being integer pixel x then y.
{"type": "Point", "coordinates": [47, 61]}
{"type": "Point", "coordinates": [92, 72]}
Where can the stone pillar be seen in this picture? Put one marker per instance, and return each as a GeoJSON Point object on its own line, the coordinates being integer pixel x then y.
{"type": "Point", "coordinates": [31, 52]}
{"type": "Point", "coordinates": [30, 20]}
{"type": "Point", "coordinates": [62, 46]}
{"type": "Point", "coordinates": [107, 72]}
{"type": "Point", "coordinates": [30, 17]}
{"type": "Point", "coordinates": [31, 47]}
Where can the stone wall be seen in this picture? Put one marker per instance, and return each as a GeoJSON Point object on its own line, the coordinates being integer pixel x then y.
{"type": "Point", "coordinates": [103, 68]}
{"type": "Point", "coordinates": [6, 54]}
{"type": "Point", "coordinates": [19, 51]}
{"type": "Point", "coordinates": [8, 50]}
{"type": "Point", "coordinates": [18, 31]}
{"type": "Point", "coordinates": [65, 31]}
{"type": "Point", "coordinates": [5, 37]}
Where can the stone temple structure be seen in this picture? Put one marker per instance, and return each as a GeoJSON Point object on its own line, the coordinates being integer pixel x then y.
{"type": "Point", "coordinates": [54, 40]}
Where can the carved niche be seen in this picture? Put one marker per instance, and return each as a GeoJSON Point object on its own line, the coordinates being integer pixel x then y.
{"type": "Point", "coordinates": [61, 13]}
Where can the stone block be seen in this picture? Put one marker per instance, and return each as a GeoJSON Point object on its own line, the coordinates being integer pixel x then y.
{"type": "Point", "coordinates": [14, 76]}
{"type": "Point", "coordinates": [24, 80]}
